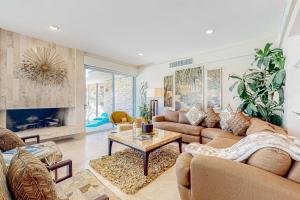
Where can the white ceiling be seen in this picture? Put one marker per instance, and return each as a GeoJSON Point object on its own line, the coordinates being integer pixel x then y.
{"type": "Point", "coordinates": [160, 29]}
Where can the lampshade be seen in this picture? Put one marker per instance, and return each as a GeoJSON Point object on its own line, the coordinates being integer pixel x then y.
{"type": "Point", "coordinates": [154, 92]}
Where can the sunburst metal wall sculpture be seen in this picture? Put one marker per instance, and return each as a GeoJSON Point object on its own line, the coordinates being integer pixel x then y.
{"type": "Point", "coordinates": [43, 65]}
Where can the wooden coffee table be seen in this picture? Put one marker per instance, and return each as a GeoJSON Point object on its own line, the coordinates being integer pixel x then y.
{"type": "Point", "coordinates": [159, 139]}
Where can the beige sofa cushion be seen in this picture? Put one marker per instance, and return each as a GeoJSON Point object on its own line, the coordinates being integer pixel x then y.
{"type": "Point", "coordinates": [278, 129]}
{"type": "Point", "coordinates": [211, 133]}
{"type": "Point", "coordinates": [171, 116]}
{"type": "Point", "coordinates": [182, 118]}
{"type": "Point", "coordinates": [180, 128]}
{"type": "Point", "coordinates": [294, 173]}
{"type": "Point", "coordinates": [191, 138]}
{"type": "Point", "coordinates": [220, 142]}
{"type": "Point", "coordinates": [258, 125]}
{"type": "Point", "coordinates": [272, 160]}
{"type": "Point", "coordinates": [190, 129]}
{"type": "Point", "coordinates": [28, 178]}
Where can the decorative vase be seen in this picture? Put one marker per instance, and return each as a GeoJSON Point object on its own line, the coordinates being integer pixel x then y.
{"type": "Point", "coordinates": [147, 128]}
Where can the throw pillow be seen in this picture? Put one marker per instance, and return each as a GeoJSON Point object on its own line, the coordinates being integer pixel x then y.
{"type": "Point", "coordinates": [195, 116]}
{"type": "Point", "coordinates": [28, 178]}
{"type": "Point", "coordinates": [171, 116]}
{"type": "Point", "coordinates": [9, 140]}
{"type": "Point", "coordinates": [239, 124]}
{"type": "Point", "coordinates": [225, 115]}
{"type": "Point", "coordinates": [124, 119]}
{"type": "Point", "coordinates": [211, 119]}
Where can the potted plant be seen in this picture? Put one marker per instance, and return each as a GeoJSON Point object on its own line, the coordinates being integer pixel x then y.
{"type": "Point", "coordinates": [261, 90]}
{"type": "Point", "coordinates": [144, 109]}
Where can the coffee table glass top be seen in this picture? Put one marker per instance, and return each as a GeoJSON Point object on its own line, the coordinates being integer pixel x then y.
{"type": "Point", "coordinates": [129, 138]}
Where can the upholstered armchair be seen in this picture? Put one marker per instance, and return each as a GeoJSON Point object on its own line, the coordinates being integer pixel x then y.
{"type": "Point", "coordinates": [29, 178]}
{"type": "Point", "coordinates": [119, 117]}
{"type": "Point", "coordinates": [47, 152]}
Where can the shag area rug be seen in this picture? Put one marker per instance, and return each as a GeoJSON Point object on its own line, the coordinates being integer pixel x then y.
{"type": "Point", "coordinates": [125, 169]}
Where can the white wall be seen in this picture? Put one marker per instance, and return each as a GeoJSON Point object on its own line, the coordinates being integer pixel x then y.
{"type": "Point", "coordinates": [102, 63]}
{"type": "Point", "coordinates": [233, 59]}
{"type": "Point", "coordinates": [291, 45]}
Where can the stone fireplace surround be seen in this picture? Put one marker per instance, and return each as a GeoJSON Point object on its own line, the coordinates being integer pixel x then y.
{"type": "Point", "coordinates": [65, 129]}
{"type": "Point", "coordinates": [19, 93]}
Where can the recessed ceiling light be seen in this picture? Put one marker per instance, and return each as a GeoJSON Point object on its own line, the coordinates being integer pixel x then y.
{"type": "Point", "coordinates": [140, 54]}
{"type": "Point", "coordinates": [53, 28]}
{"type": "Point", "coordinates": [209, 31]}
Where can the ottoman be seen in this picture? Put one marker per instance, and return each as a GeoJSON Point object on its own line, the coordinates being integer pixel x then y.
{"type": "Point", "coordinates": [124, 127]}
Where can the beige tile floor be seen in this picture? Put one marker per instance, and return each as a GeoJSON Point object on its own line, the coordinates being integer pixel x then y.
{"type": "Point", "coordinates": [83, 149]}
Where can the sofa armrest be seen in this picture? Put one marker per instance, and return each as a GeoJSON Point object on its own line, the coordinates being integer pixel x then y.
{"type": "Point", "coordinates": [215, 179]}
{"type": "Point", "coordinates": [54, 168]}
{"type": "Point", "coordinates": [182, 166]}
{"type": "Point", "coordinates": [37, 137]}
{"type": "Point", "coordinates": [158, 118]}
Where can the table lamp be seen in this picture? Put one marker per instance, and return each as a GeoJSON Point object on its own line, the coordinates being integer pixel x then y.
{"type": "Point", "coordinates": [153, 94]}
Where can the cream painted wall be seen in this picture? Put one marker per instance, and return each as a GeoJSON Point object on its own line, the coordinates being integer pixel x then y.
{"type": "Point", "coordinates": [233, 59]}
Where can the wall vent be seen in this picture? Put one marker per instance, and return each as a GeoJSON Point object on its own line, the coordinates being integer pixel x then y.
{"type": "Point", "coordinates": [179, 63]}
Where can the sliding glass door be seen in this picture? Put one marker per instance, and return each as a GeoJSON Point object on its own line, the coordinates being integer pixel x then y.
{"type": "Point", "coordinates": [107, 92]}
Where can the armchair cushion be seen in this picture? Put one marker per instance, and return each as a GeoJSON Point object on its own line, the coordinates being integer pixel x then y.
{"type": "Point", "coordinates": [9, 140]}
{"type": "Point", "coordinates": [4, 192]}
{"type": "Point", "coordinates": [117, 117]}
{"type": "Point", "coordinates": [28, 178]}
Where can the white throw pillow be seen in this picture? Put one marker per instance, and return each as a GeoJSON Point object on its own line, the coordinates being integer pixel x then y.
{"type": "Point", "coordinates": [195, 116]}
{"type": "Point", "coordinates": [225, 115]}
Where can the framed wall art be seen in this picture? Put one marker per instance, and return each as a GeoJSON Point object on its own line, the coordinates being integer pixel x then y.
{"type": "Point", "coordinates": [214, 89]}
{"type": "Point", "coordinates": [189, 88]}
{"type": "Point", "coordinates": [168, 91]}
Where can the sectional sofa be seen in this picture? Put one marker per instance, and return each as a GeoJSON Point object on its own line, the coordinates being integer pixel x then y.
{"type": "Point", "coordinates": [268, 174]}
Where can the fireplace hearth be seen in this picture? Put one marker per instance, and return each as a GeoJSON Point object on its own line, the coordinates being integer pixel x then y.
{"type": "Point", "coordinates": [24, 119]}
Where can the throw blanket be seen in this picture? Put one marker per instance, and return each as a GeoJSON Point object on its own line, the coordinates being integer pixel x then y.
{"type": "Point", "coordinates": [243, 149]}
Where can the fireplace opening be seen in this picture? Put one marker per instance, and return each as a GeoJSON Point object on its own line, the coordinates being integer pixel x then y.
{"type": "Point", "coordinates": [24, 119]}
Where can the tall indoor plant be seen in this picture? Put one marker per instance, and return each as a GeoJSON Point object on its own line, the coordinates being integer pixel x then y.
{"type": "Point", "coordinates": [144, 109]}
{"type": "Point", "coordinates": [261, 89]}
